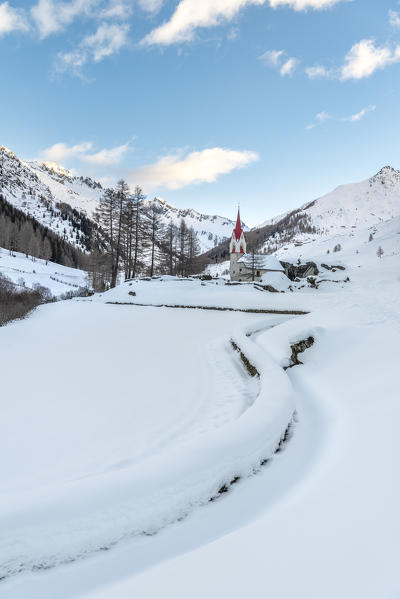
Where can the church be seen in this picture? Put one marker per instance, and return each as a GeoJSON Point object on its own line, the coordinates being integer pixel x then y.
{"type": "Point", "coordinates": [248, 266]}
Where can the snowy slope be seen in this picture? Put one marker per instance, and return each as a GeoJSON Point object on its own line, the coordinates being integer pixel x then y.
{"type": "Point", "coordinates": [27, 272]}
{"type": "Point", "coordinates": [37, 190]}
{"type": "Point", "coordinates": [81, 193]}
{"type": "Point", "coordinates": [347, 208]}
{"type": "Point", "coordinates": [358, 246]}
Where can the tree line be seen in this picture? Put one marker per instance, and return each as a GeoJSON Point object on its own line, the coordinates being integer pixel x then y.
{"type": "Point", "coordinates": [22, 233]}
{"type": "Point", "coordinates": [132, 239]}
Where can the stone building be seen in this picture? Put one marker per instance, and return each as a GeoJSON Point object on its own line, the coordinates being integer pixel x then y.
{"type": "Point", "coordinates": [248, 267]}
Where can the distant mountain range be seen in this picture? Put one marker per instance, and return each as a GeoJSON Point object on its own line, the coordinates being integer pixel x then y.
{"type": "Point", "coordinates": [62, 201]}
{"type": "Point", "coordinates": [65, 203]}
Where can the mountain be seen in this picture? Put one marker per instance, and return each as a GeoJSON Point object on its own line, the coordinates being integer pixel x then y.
{"type": "Point", "coordinates": [347, 208]}
{"type": "Point", "coordinates": [65, 203]}
{"type": "Point", "coordinates": [51, 195]}
{"type": "Point", "coordinates": [211, 230]}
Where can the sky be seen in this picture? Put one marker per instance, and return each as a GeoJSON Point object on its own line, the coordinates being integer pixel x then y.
{"type": "Point", "coordinates": [205, 103]}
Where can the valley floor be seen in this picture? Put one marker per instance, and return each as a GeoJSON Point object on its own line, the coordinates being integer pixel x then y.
{"type": "Point", "coordinates": [320, 519]}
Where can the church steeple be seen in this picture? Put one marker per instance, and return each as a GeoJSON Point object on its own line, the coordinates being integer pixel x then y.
{"type": "Point", "coordinates": [238, 229]}
{"type": "Point", "coordinates": [238, 241]}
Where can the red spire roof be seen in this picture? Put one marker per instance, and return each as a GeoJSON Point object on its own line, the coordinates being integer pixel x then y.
{"type": "Point", "coordinates": [238, 229]}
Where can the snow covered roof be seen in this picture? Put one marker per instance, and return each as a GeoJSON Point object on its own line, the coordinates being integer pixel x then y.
{"type": "Point", "coordinates": [262, 262]}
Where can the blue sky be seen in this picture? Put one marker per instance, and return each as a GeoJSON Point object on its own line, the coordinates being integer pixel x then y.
{"type": "Point", "coordinates": [206, 103]}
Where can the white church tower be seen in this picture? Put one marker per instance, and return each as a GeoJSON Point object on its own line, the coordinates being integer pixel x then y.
{"type": "Point", "coordinates": [237, 249]}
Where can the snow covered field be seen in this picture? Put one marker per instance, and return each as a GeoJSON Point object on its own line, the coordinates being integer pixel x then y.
{"type": "Point", "coordinates": [24, 271]}
{"type": "Point", "coordinates": [157, 411]}
{"type": "Point", "coordinates": [121, 430]}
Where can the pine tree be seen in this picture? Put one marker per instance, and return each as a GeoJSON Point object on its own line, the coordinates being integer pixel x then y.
{"type": "Point", "coordinates": [121, 193]}
{"type": "Point", "coordinates": [138, 227]}
{"type": "Point", "coordinates": [168, 249]}
{"type": "Point", "coordinates": [182, 243]}
{"type": "Point", "coordinates": [155, 235]}
{"type": "Point", "coordinates": [106, 218]}
{"type": "Point", "coordinates": [193, 250]}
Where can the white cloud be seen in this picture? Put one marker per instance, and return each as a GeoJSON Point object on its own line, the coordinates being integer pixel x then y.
{"type": "Point", "coordinates": [62, 153]}
{"type": "Point", "coordinates": [116, 9]}
{"type": "Point", "coordinates": [359, 115]}
{"type": "Point", "coordinates": [106, 157]}
{"type": "Point", "coordinates": [108, 39]}
{"type": "Point", "coordinates": [394, 18]}
{"type": "Point", "coordinates": [272, 58]}
{"type": "Point", "coordinates": [320, 118]}
{"type": "Point", "coordinates": [233, 34]}
{"type": "Point", "coordinates": [276, 59]}
{"type": "Point", "coordinates": [51, 17]}
{"type": "Point", "coordinates": [304, 4]}
{"type": "Point", "coordinates": [11, 19]}
{"type": "Point", "coordinates": [323, 116]}
{"type": "Point", "coordinates": [190, 15]}
{"type": "Point", "coordinates": [318, 72]}
{"type": "Point", "coordinates": [364, 58]}
{"type": "Point", "coordinates": [288, 67]}
{"type": "Point", "coordinates": [151, 5]}
{"type": "Point", "coordinates": [175, 172]}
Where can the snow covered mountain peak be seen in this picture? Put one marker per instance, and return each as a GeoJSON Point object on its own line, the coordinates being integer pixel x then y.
{"type": "Point", "coordinates": [162, 203]}
{"type": "Point", "coordinates": [386, 176]}
{"type": "Point", "coordinates": [341, 212]}
{"type": "Point", "coordinates": [5, 150]}
{"type": "Point", "coordinates": [55, 169]}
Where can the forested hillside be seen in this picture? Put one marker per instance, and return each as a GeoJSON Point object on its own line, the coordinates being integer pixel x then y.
{"type": "Point", "coordinates": [22, 233]}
